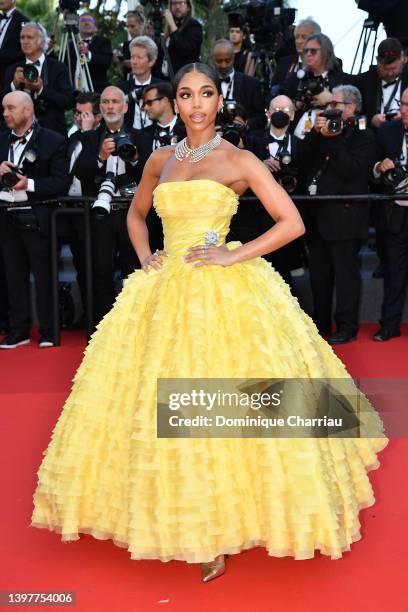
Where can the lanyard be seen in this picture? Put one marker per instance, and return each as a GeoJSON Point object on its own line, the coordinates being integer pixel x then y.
{"type": "Point", "coordinates": [12, 145]}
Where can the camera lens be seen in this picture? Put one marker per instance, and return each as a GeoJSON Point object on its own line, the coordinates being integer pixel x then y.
{"type": "Point", "coordinates": [9, 179]}
{"type": "Point", "coordinates": [30, 73]}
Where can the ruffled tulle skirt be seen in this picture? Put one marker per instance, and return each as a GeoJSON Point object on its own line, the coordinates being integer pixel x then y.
{"type": "Point", "coordinates": [106, 473]}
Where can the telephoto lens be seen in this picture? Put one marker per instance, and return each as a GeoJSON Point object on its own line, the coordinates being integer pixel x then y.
{"type": "Point", "coordinates": [102, 206]}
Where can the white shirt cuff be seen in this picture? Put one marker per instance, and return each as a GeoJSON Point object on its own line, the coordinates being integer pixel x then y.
{"type": "Point", "coordinates": [12, 86]}
{"type": "Point", "coordinates": [375, 172]}
{"type": "Point", "coordinates": [30, 185]}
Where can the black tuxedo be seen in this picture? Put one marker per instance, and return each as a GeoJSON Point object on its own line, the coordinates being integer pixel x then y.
{"type": "Point", "coordinates": [248, 92]}
{"type": "Point", "coordinates": [10, 51]}
{"type": "Point", "coordinates": [25, 243]}
{"type": "Point", "coordinates": [101, 59]}
{"type": "Point", "coordinates": [110, 240]}
{"type": "Point", "coordinates": [128, 86]}
{"type": "Point", "coordinates": [185, 44]}
{"type": "Point", "coordinates": [55, 98]}
{"type": "Point", "coordinates": [393, 14]}
{"type": "Point", "coordinates": [252, 219]}
{"type": "Point", "coordinates": [335, 230]}
{"type": "Point", "coordinates": [391, 140]}
{"type": "Point", "coordinates": [369, 84]}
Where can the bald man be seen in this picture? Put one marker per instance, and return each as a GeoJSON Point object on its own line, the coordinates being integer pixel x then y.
{"type": "Point", "coordinates": [273, 145]}
{"type": "Point", "coordinates": [237, 86]}
{"type": "Point", "coordinates": [33, 168]}
{"type": "Point", "coordinates": [98, 160]}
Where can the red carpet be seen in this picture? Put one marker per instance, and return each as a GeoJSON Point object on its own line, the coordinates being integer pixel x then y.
{"type": "Point", "coordinates": [370, 578]}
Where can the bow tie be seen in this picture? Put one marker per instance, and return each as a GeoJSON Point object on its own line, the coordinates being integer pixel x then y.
{"type": "Point", "coordinates": [13, 138]}
{"type": "Point", "coordinates": [226, 80]}
{"type": "Point", "coordinates": [36, 63]}
{"type": "Point", "coordinates": [4, 16]}
{"type": "Point", "coordinates": [87, 40]}
{"type": "Point", "coordinates": [271, 138]}
{"type": "Point", "coordinates": [390, 83]}
{"type": "Point", "coordinates": [160, 129]}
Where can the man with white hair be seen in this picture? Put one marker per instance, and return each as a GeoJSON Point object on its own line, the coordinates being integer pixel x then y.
{"type": "Point", "coordinates": [143, 56]}
{"type": "Point", "coordinates": [33, 168]}
{"type": "Point", "coordinates": [44, 78]}
{"type": "Point", "coordinates": [291, 63]}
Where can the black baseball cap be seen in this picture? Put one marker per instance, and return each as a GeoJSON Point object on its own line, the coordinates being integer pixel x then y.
{"type": "Point", "coordinates": [389, 50]}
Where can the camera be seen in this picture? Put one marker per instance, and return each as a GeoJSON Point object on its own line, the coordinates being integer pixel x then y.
{"type": "Point", "coordinates": [10, 178]}
{"type": "Point", "coordinates": [287, 176]}
{"type": "Point", "coordinates": [30, 73]}
{"type": "Point", "coordinates": [69, 5]}
{"type": "Point", "coordinates": [335, 121]}
{"type": "Point", "coordinates": [390, 115]}
{"type": "Point", "coordinates": [309, 86]}
{"type": "Point", "coordinates": [136, 94]}
{"type": "Point", "coordinates": [395, 179]}
{"type": "Point", "coordinates": [231, 131]}
{"type": "Point", "coordinates": [264, 18]}
{"type": "Point", "coordinates": [165, 138]}
{"type": "Point", "coordinates": [102, 206]}
{"type": "Point", "coordinates": [124, 147]}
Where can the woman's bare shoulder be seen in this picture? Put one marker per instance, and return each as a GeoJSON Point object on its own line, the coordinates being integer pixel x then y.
{"type": "Point", "coordinates": [158, 158]}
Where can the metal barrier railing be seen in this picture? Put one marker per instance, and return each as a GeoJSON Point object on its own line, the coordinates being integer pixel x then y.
{"type": "Point", "coordinates": [63, 206]}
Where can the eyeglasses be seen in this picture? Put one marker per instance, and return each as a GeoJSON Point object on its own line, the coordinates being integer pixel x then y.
{"type": "Point", "coordinates": [150, 102]}
{"type": "Point", "coordinates": [335, 103]}
{"type": "Point", "coordinates": [86, 20]}
{"type": "Point", "coordinates": [311, 50]}
{"type": "Point", "coordinates": [284, 109]}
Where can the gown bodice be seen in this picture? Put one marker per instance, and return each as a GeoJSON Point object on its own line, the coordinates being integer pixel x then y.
{"type": "Point", "coordinates": [190, 209]}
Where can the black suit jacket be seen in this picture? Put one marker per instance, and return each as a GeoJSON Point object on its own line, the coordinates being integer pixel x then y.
{"type": "Point", "coordinates": [248, 92]}
{"type": "Point", "coordinates": [49, 170]}
{"type": "Point", "coordinates": [101, 58]}
{"type": "Point", "coordinates": [348, 172]}
{"type": "Point", "coordinates": [369, 84]}
{"type": "Point", "coordinates": [10, 51]}
{"type": "Point", "coordinates": [393, 14]}
{"type": "Point", "coordinates": [89, 149]}
{"type": "Point", "coordinates": [128, 86]}
{"type": "Point", "coordinates": [55, 98]}
{"type": "Point", "coordinates": [284, 69]}
{"type": "Point", "coordinates": [185, 45]}
{"type": "Point", "coordinates": [86, 166]}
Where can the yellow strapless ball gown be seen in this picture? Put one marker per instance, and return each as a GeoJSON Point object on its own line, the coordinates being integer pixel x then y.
{"type": "Point", "coordinates": [106, 473]}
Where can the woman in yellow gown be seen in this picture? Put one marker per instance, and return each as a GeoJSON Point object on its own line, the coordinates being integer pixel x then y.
{"type": "Point", "coordinates": [209, 311]}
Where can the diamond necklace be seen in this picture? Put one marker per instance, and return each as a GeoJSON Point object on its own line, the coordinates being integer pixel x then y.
{"type": "Point", "coordinates": [182, 150]}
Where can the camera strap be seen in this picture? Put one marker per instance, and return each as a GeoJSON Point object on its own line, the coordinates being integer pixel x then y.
{"type": "Point", "coordinates": [315, 180]}
{"type": "Point", "coordinates": [22, 139]}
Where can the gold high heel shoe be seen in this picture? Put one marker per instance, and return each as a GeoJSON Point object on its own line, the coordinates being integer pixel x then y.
{"type": "Point", "coordinates": [213, 569]}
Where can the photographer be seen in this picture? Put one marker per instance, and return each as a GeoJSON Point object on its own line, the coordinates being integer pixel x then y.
{"type": "Point", "coordinates": [311, 86]}
{"type": "Point", "coordinates": [381, 86]}
{"type": "Point", "coordinates": [11, 21]}
{"type": "Point", "coordinates": [183, 36]}
{"type": "Point", "coordinates": [95, 50]}
{"type": "Point", "coordinates": [115, 161]}
{"type": "Point", "coordinates": [392, 173]}
{"type": "Point", "coordinates": [237, 86]}
{"type": "Point", "coordinates": [135, 23]}
{"type": "Point", "coordinates": [337, 158]}
{"type": "Point", "coordinates": [33, 168]}
{"type": "Point", "coordinates": [45, 79]}
{"type": "Point", "coordinates": [292, 63]}
{"type": "Point", "coordinates": [392, 13]}
{"type": "Point", "coordinates": [279, 151]}
{"type": "Point", "coordinates": [143, 55]}
{"type": "Point", "coordinates": [88, 120]}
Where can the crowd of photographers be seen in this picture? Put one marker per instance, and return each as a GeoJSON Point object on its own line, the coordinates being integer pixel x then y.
{"type": "Point", "coordinates": [319, 130]}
